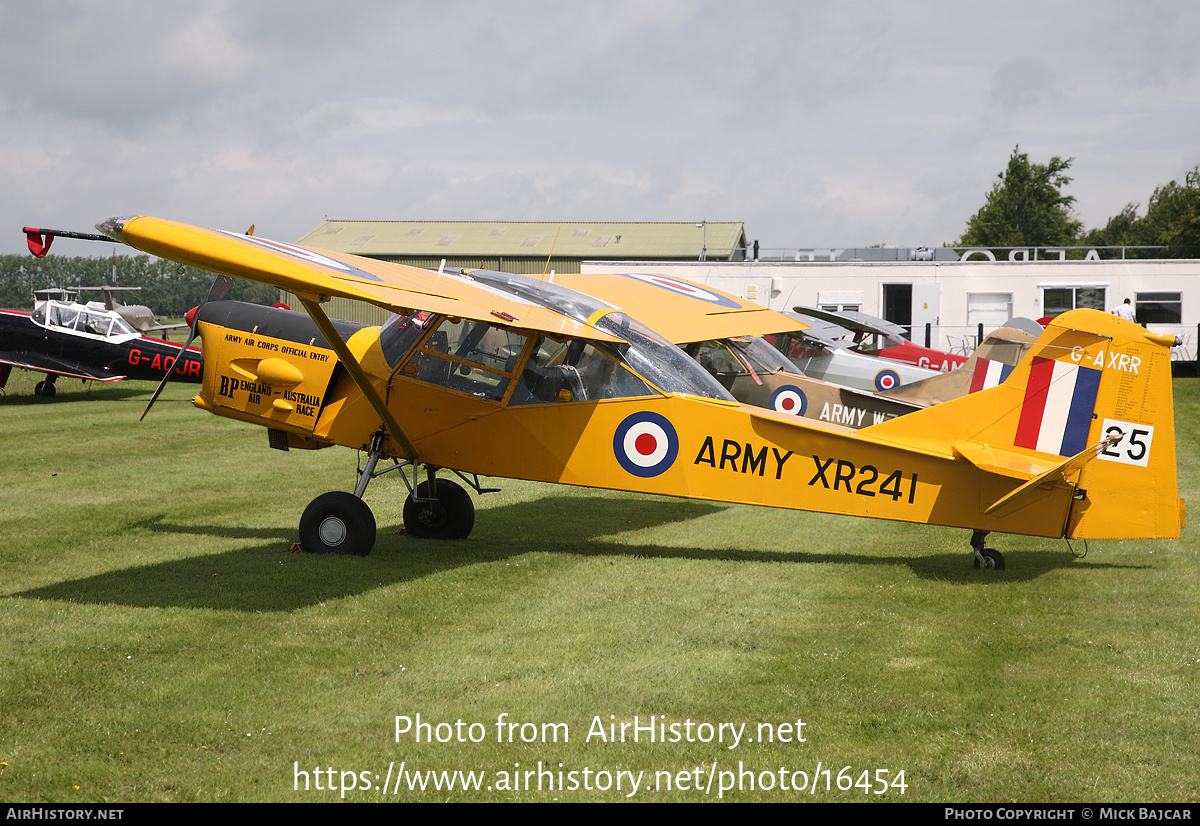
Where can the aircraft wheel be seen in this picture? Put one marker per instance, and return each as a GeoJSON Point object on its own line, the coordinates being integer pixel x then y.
{"type": "Point", "coordinates": [337, 523]}
{"type": "Point", "coordinates": [992, 560]}
{"type": "Point", "coordinates": [451, 517]}
{"type": "Point", "coordinates": [44, 389]}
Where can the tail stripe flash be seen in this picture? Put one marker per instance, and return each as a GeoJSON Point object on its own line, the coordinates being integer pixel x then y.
{"type": "Point", "coordinates": [1059, 401]}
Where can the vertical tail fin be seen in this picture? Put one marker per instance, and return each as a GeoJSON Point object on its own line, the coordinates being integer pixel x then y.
{"type": "Point", "coordinates": [1089, 376]}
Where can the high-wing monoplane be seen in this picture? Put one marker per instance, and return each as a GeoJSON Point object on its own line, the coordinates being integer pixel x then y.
{"type": "Point", "coordinates": [534, 381]}
{"type": "Point", "coordinates": [728, 336]}
{"type": "Point", "coordinates": [62, 338]}
{"type": "Point", "coordinates": [820, 353]}
{"type": "Point", "coordinates": [876, 337]}
{"type": "Point", "coordinates": [723, 332]}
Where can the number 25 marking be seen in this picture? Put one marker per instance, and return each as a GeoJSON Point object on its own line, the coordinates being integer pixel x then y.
{"type": "Point", "coordinates": [1134, 448]}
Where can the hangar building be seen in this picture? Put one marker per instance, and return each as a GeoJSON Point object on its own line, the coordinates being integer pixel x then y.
{"type": "Point", "coordinates": [529, 247]}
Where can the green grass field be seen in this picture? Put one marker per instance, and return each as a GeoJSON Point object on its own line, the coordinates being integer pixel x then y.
{"type": "Point", "coordinates": [160, 643]}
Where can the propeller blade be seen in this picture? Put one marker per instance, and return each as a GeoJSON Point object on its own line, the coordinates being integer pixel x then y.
{"type": "Point", "coordinates": [220, 288]}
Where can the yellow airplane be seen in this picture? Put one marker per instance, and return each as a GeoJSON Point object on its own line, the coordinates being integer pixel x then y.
{"type": "Point", "coordinates": [534, 381]}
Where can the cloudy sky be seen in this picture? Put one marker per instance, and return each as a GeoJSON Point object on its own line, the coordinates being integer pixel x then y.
{"type": "Point", "coordinates": [815, 123]}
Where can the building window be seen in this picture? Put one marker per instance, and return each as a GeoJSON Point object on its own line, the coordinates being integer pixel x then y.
{"type": "Point", "coordinates": [836, 302]}
{"type": "Point", "coordinates": [1159, 308]}
{"type": "Point", "coordinates": [989, 309]}
{"type": "Point", "coordinates": [1057, 300]}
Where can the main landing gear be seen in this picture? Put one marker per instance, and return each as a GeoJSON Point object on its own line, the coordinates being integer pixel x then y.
{"type": "Point", "coordinates": [45, 389]}
{"type": "Point", "coordinates": [448, 514]}
{"type": "Point", "coordinates": [985, 557]}
{"type": "Point", "coordinates": [337, 523]}
{"type": "Point", "coordinates": [341, 523]}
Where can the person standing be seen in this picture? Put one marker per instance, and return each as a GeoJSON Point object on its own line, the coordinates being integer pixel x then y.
{"type": "Point", "coordinates": [1125, 311]}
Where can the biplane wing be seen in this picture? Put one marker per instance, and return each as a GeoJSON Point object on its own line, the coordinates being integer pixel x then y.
{"type": "Point", "coordinates": [530, 380]}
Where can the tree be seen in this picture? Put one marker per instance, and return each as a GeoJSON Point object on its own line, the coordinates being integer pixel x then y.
{"type": "Point", "coordinates": [1122, 230]}
{"type": "Point", "coordinates": [1026, 207]}
{"type": "Point", "coordinates": [1172, 219]}
{"type": "Point", "coordinates": [1173, 216]}
{"type": "Point", "coordinates": [167, 288]}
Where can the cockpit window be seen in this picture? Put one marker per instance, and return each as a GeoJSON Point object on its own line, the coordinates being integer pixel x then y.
{"type": "Point", "coordinates": [795, 346]}
{"type": "Point", "coordinates": [759, 354]}
{"type": "Point", "coordinates": [400, 333]}
{"type": "Point", "coordinates": [120, 326]}
{"type": "Point", "coordinates": [63, 316]}
{"type": "Point", "coordinates": [574, 370]}
{"type": "Point", "coordinates": [871, 342]}
{"type": "Point", "coordinates": [468, 356]}
{"type": "Point", "coordinates": [82, 320]}
{"type": "Point", "coordinates": [735, 361]}
{"type": "Point", "coordinates": [648, 354]}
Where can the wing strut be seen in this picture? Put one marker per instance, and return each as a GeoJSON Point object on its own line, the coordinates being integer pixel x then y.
{"type": "Point", "coordinates": [360, 378]}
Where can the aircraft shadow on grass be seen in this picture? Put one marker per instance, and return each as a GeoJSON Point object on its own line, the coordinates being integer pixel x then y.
{"type": "Point", "coordinates": [90, 392]}
{"type": "Point", "coordinates": [265, 577]}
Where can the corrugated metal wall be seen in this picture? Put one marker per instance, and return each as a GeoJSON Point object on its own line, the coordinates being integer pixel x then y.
{"type": "Point", "coordinates": [522, 266]}
{"type": "Point", "coordinates": [364, 313]}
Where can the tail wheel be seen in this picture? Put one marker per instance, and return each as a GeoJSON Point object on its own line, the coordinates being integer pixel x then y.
{"type": "Point", "coordinates": [450, 516]}
{"type": "Point", "coordinates": [45, 389]}
{"type": "Point", "coordinates": [337, 523]}
{"type": "Point", "coordinates": [992, 560]}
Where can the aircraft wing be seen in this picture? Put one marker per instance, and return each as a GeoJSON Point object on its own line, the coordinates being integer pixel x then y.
{"type": "Point", "coordinates": [315, 275]}
{"type": "Point", "coordinates": [680, 310]}
{"type": "Point", "coordinates": [163, 328]}
{"type": "Point", "coordinates": [42, 363]}
{"type": "Point", "coordinates": [822, 332]}
{"type": "Point", "coordinates": [856, 322]}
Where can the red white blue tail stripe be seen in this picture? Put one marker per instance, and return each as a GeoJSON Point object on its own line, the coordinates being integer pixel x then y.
{"type": "Point", "coordinates": [988, 373]}
{"type": "Point", "coordinates": [1060, 399]}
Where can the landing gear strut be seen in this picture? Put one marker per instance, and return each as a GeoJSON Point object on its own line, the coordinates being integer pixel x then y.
{"type": "Point", "coordinates": [985, 557]}
{"type": "Point", "coordinates": [449, 514]}
{"type": "Point", "coordinates": [341, 523]}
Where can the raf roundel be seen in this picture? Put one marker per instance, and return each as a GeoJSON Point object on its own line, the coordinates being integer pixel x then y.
{"type": "Point", "coordinates": [684, 288]}
{"type": "Point", "coordinates": [311, 256]}
{"type": "Point", "coordinates": [887, 380]}
{"type": "Point", "coordinates": [789, 399]}
{"type": "Point", "coordinates": [646, 444]}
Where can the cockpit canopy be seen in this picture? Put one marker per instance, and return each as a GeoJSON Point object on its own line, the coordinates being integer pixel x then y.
{"type": "Point", "coordinates": [526, 367]}
{"type": "Point", "coordinates": [77, 318]}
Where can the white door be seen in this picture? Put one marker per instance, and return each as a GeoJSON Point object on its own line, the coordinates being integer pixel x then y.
{"type": "Point", "coordinates": [927, 309]}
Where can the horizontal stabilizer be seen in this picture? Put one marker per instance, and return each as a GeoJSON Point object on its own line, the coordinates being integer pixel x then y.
{"type": "Point", "coordinates": [1057, 473]}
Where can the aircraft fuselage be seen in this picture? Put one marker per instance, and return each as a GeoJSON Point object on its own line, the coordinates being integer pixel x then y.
{"type": "Point", "coordinates": [93, 354]}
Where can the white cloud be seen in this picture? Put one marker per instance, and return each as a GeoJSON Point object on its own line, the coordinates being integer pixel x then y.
{"type": "Point", "coordinates": [816, 124]}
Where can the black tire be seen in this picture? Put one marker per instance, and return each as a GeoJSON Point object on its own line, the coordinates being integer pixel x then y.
{"type": "Point", "coordinates": [44, 389]}
{"type": "Point", "coordinates": [452, 516]}
{"type": "Point", "coordinates": [992, 560]}
{"type": "Point", "coordinates": [337, 523]}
